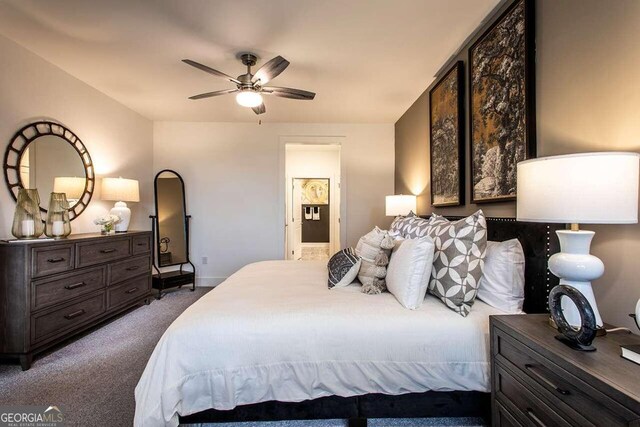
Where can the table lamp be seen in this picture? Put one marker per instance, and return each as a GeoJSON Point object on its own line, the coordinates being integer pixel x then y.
{"type": "Point", "coordinates": [121, 190]}
{"type": "Point", "coordinates": [400, 205]}
{"type": "Point", "coordinates": [588, 188]}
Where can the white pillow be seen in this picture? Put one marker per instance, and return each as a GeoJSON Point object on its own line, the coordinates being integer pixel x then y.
{"type": "Point", "coordinates": [502, 282]}
{"type": "Point", "coordinates": [409, 270]}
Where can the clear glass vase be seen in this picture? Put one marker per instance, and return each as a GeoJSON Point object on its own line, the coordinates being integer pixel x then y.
{"type": "Point", "coordinates": [58, 225]}
{"type": "Point", "coordinates": [27, 221]}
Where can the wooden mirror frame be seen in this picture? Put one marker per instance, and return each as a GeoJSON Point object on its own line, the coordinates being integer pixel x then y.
{"type": "Point", "coordinates": [29, 133]}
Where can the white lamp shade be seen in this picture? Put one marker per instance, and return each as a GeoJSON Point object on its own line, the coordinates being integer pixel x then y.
{"type": "Point", "coordinates": [72, 186]}
{"type": "Point", "coordinates": [588, 188]}
{"type": "Point", "coordinates": [120, 190]}
{"type": "Point", "coordinates": [400, 205]}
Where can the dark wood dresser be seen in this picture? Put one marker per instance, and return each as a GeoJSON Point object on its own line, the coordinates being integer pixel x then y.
{"type": "Point", "coordinates": [52, 290]}
{"type": "Point", "coordinates": [538, 381]}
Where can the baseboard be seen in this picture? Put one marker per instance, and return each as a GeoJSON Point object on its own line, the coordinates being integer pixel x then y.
{"type": "Point", "coordinates": [209, 282]}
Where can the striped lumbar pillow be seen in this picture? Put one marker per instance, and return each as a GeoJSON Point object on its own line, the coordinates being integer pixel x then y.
{"type": "Point", "coordinates": [343, 268]}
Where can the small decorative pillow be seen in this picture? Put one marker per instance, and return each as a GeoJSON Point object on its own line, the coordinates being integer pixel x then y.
{"type": "Point", "coordinates": [410, 226]}
{"type": "Point", "coordinates": [458, 260]}
{"type": "Point", "coordinates": [374, 249]}
{"type": "Point", "coordinates": [502, 282]}
{"type": "Point", "coordinates": [409, 270]}
{"type": "Point", "coordinates": [343, 268]}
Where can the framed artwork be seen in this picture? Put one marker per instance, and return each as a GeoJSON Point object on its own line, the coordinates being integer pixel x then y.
{"type": "Point", "coordinates": [315, 191]}
{"type": "Point", "coordinates": [502, 103]}
{"type": "Point", "coordinates": [446, 133]}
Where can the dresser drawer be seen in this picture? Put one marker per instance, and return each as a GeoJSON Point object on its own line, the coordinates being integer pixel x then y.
{"type": "Point", "coordinates": [46, 292]}
{"type": "Point", "coordinates": [91, 253]}
{"type": "Point", "coordinates": [51, 323]}
{"type": "Point", "coordinates": [124, 270]}
{"type": "Point", "coordinates": [588, 402]}
{"type": "Point", "coordinates": [503, 418]}
{"type": "Point", "coordinates": [141, 244]}
{"type": "Point", "coordinates": [51, 260]}
{"type": "Point", "coordinates": [522, 404]}
{"type": "Point", "coordinates": [128, 291]}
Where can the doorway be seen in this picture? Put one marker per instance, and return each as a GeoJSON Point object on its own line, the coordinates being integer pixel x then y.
{"type": "Point", "coordinates": [312, 197]}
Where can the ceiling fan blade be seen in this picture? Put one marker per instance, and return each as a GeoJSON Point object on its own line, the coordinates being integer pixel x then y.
{"type": "Point", "coordinates": [216, 93]}
{"type": "Point", "coordinates": [210, 70]}
{"type": "Point", "coordinates": [260, 109]}
{"type": "Point", "coordinates": [286, 92]}
{"type": "Point", "coordinates": [270, 70]}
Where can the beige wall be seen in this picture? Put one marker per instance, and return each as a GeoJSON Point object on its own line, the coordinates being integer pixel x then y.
{"type": "Point", "coordinates": [235, 183]}
{"type": "Point", "coordinates": [588, 99]}
{"type": "Point", "coordinates": [118, 139]}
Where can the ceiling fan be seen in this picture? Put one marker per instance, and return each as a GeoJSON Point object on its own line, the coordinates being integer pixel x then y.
{"type": "Point", "coordinates": [250, 87]}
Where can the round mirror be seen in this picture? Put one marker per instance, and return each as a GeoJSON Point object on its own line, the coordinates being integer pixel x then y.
{"type": "Point", "coordinates": [50, 158]}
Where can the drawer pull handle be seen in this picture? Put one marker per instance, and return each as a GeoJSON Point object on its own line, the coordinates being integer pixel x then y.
{"type": "Point", "coordinates": [75, 286]}
{"type": "Point", "coordinates": [130, 291]}
{"type": "Point", "coordinates": [55, 260]}
{"type": "Point", "coordinates": [74, 314]}
{"type": "Point", "coordinates": [142, 244]}
{"type": "Point", "coordinates": [108, 251]}
{"type": "Point", "coordinates": [534, 371]}
{"type": "Point", "coordinates": [534, 418]}
{"type": "Point", "coordinates": [133, 268]}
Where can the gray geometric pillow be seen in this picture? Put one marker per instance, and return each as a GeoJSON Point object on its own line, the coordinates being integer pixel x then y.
{"type": "Point", "coordinates": [458, 260]}
{"type": "Point", "coordinates": [343, 268]}
{"type": "Point", "coordinates": [410, 226]}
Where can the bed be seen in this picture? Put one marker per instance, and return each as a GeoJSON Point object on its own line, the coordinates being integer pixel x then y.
{"type": "Point", "coordinates": [272, 342]}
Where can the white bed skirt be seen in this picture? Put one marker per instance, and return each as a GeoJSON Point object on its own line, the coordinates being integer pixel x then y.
{"type": "Point", "coordinates": [273, 331]}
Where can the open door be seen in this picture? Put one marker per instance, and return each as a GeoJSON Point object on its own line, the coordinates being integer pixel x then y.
{"type": "Point", "coordinates": [312, 198]}
{"type": "Point", "coordinates": [296, 218]}
{"type": "Point", "coordinates": [293, 222]}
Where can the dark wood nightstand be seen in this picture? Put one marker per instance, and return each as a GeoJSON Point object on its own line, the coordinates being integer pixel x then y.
{"type": "Point", "coordinates": [538, 381]}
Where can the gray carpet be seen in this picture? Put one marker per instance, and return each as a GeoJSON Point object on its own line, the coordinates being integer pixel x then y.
{"type": "Point", "coordinates": [92, 378]}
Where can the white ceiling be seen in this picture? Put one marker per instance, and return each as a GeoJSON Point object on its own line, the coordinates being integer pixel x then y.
{"type": "Point", "coordinates": [367, 60]}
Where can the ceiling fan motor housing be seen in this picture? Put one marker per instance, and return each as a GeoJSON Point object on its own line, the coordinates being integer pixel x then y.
{"type": "Point", "coordinates": [248, 59]}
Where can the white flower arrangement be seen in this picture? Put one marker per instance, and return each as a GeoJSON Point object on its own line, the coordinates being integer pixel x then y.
{"type": "Point", "coordinates": [107, 222]}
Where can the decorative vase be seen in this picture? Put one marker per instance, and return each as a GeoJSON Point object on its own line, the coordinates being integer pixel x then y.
{"type": "Point", "coordinates": [58, 225]}
{"type": "Point", "coordinates": [27, 221]}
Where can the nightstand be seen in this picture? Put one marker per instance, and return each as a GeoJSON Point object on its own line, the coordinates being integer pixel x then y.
{"type": "Point", "coordinates": [538, 381]}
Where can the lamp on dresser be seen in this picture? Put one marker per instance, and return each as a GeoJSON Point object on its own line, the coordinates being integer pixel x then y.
{"type": "Point", "coordinates": [121, 190]}
{"type": "Point", "coordinates": [400, 204]}
{"type": "Point", "coordinates": [587, 188]}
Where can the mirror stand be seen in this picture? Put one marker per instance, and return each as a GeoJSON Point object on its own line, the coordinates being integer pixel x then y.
{"type": "Point", "coordinates": [176, 278]}
{"type": "Point", "coordinates": [170, 227]}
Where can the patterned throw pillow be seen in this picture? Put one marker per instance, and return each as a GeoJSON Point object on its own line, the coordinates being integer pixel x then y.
{"type": "Point", "coordinates": [374, 248]}
{"type": "Point", "coordinates": [458, 260]}
{"type": "Point", "coordinates": [343, 268]}
{"type": "Point", "coordinates": [410, 226]}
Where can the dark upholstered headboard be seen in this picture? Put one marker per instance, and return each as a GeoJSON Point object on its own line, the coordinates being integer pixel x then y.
{"type": "Point", "coordinates": [539, 241]}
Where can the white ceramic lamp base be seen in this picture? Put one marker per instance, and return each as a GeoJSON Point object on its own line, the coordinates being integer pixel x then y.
{"type": "Point", "coordinates": [124, 213]}
{"type": "Point", "coordinates": [576, 267]}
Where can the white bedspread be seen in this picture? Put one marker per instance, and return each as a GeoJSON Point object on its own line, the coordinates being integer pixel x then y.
{"type": "Point", "coordinates": [273, 331]}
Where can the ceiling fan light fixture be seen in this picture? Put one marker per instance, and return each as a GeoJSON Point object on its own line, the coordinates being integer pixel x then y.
{"type": "Point", "coordinates": [249, 98]}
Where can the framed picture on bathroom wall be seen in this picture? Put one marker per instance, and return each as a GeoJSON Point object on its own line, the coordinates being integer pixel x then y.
{"type": "Point", "coordinates": [315, 191]}
{"type": "Point", "coordinates": [446, 135]}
